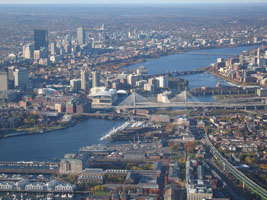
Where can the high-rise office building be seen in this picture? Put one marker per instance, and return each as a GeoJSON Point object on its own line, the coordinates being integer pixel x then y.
{"type": "Point", "coordinates": [75, 84]}
{"type": "Point", "coordinates": [258, 53]}
{"type": "Point", "coordinates": [96, 79]}
{"type": "Point", "coordinates": [84, 80]}
{"type": "Point", "coordinates": [102, 27]}
{"type": "Point", "coordinates": [21, 78]}
{"type": "Point", "coordinates": [53, 48]}
{"type": "Point", "coordinates": [80, 36]}
{"type": "Point", "coordinates": [40, 39]}
{"type": "Point", "coordinates": [11, 73]}
{"type": "Point", "coordinates": [3, 81]}
{"type": "Point", "coordinates": [163, 81]}
{"type": "Point", "coordinates": [28, 51]}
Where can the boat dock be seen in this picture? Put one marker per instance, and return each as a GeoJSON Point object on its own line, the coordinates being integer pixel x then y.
{"type": "Point", "coordinates": [126, 125]}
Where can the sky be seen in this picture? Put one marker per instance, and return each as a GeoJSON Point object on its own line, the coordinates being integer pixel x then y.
{"type": "Point", "coordinates": [125, 1]}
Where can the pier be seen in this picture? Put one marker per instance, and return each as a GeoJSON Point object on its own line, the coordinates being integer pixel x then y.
{"type": "Point", "coordinates": [115, 130]}
{"type": "Point", "coordinates": [27, 171]}
{"type": "Point", "coordinates": [29, 164]}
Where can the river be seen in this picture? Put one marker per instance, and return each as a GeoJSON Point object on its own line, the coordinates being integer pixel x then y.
{"type": "Point", "coordinates": [46, 147]}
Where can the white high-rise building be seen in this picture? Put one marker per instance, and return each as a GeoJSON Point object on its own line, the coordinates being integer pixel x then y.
{"type": "Point", "coordinates": [80, 36]}
{"type": "Point", "coordinates": [163, 81]}
{"type": "Point", "coordinates": [132, 79]}
{"type": "Point", "coordinates": [96, 79]}
{"type": "Point", "coordinates": [27, 51]}
{"type": "Point", "coordinates": [3, 81]}
{"type": "Point", "coordinates": [84, 80]}
{"type": "Point", "coordinates": [53, 48]}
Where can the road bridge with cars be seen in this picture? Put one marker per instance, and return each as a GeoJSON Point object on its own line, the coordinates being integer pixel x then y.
{"type": "Point", "coordinates": [189, 105]}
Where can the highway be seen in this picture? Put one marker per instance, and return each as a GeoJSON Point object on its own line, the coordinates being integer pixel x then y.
{"type": "Point", "coordinates": [238, 174]}
{"type": "Point", "coordinates": [237, 105]}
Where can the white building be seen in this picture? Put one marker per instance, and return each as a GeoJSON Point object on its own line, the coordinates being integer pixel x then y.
{"type": "Point", "coordinates": [84, 80]}
{"type": "Point", "coordinates": [3, 81]}
{"type": "Point", "coordinates": [46, 91]}
{"type": "Point", "coordinates": [7, 186]}
{"type": "Point", "coordinates": [163, 82]}
{"type": "Point", "coordinates": [132, 79]}
{"type": "Point", "coordinates": [27, 51]}
{"type": "Point", "coordinates": [149, 87]}
{"type": "Point", "coordinates": [104, 98]}
{"type": "Point", "coordinates": [38, 186]}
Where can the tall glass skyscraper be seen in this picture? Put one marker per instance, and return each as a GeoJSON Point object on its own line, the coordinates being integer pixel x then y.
{"type": "Point", "coordinates": [40, 39]}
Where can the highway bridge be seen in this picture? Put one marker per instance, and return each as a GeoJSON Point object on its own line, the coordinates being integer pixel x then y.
{"type": "Point", "coordinates": [209, 54]}
{"type": "Point", "coordinates": [115, 116]}
{"type": "Point", "coordinates": [235, 172]}
{"type": "Point", "coordinates": [216, 105]}
{"type": "Point", "coordinates": [179, 73]}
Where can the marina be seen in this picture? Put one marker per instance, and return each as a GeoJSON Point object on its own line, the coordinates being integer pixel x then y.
{"type": "Point", "coordinates": [123, 127]}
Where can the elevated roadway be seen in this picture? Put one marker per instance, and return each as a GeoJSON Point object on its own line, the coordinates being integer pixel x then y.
{"type": "Point", "coordinates": [218, 105]}
{"type": "Point", "coordinates": [235, 172]}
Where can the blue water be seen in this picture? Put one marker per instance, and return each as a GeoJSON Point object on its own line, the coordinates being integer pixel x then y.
{"type": "Point", "coordinates": [185, 62]}
{"type": "Point", "coordinates": [55, 144]}
{"type": "Point", "coordinates": [47, 146]}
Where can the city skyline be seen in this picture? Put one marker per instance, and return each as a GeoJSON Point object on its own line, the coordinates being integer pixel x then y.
{"type": "Point", "coordinates": [128, 1]}
{"type": "Point", "coordinates": [133, 100]}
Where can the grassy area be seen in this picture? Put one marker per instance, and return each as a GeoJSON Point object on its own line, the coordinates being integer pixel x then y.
{"type": "Point", "coordinates": [219, 97]}
{"type": "Point", "coordinates": [234, 96]}
{"type": "Point", "coordinates": [102, 193]}
{"type": "Point", "coordinates": [173, 113]}
{"type": "Point", "coordinates": [191, 155]}
{"type": "Point", "coordinates": [175, 157]}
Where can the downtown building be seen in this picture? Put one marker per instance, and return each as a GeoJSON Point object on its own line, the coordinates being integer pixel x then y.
{"type": "Point", "coordinates": [80, 36]}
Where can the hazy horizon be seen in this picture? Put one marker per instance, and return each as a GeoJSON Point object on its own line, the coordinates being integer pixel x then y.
{"type": "Point", "coordinates": [8, 2]}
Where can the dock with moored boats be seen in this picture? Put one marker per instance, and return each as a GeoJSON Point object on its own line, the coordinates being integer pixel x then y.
{"type": "Point", "coordinates": [124, 128]}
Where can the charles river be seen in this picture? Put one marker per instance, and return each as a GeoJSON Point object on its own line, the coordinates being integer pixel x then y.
{"type": "Point", "coordinates": [46, 147]}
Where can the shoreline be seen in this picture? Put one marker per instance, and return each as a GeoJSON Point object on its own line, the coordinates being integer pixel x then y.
{"type": "Point", "coordinates": [28, 133]}
{"type": "Point", "coordinates": [148, 58]}
{"type": "Point", "coordinates": [229, 81]}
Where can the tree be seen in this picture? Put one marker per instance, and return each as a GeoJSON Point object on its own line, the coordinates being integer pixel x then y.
{"type": "Point", "coordinates": [190, 147]}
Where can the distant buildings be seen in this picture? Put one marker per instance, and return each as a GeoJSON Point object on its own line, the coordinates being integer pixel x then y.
{"type": "Point", "coordinates": [84, 80]}
{"type": "Point", "coordinates": [75, 84]}
{"type": "Point", "coordinates": [80, 36]}
{"type": "Point", "coordinates": [96, 79]}
{"type": "Point", "coordinates": [149, 87]}
{"type": "Point", "coordinates": [197, 187]}
{"type": "Point", "coordinates": [70, 166]}
{"type": "Point", "coordinates": [3, 81]}
{"type": "Point", "coordinates": [34, 186]}
{"type": "Point", "coordinates": [53, 48]}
